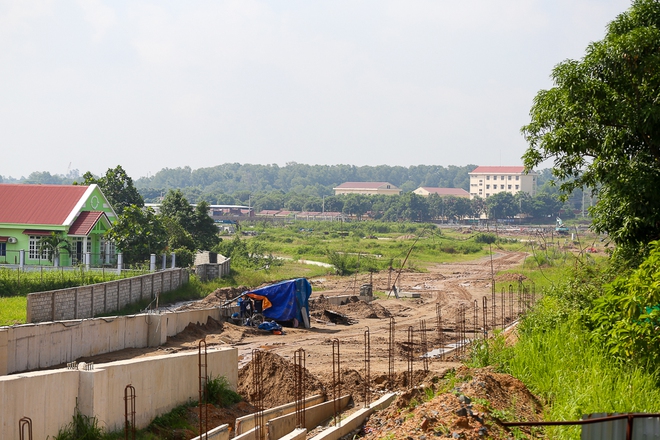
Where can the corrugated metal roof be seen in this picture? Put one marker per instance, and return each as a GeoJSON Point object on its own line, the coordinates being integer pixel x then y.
{"type": "Point", "coordinates": [500, 170]}
{"type": "Point", "coordinates": [38, 204]}
{"type": "Point", "coordinates": [85, 222]}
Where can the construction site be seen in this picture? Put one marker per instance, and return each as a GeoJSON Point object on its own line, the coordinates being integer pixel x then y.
{"type": "Point", "coordinates": [363, 361]}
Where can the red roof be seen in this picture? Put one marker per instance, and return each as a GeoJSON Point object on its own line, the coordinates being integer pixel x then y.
{"type": "Point", "coordinates": [499, 170]}
{"type": "Point", "coordinates": [447, 191]}
{"type": "Point", "coordinates": [38, 204]}
{"type": "Point", "coordinates": [365, 185]}
{"type": "Point", "coordinates": [85, 222]}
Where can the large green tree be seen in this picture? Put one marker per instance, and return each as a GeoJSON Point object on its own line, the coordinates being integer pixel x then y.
{"type": "Point", "coordinates": [138, 232]}
{"type": "Point", "coordinates": [118, 188]}
{"type": "Point", "coordinates": [600, 123]}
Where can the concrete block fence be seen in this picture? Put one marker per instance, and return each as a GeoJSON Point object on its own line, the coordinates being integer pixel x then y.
{"type": "Point", "coordinates": [89, 301]}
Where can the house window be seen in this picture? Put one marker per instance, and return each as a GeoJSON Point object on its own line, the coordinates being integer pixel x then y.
{"type": "Point", "coordinates": [487, 177]}
{"type": "Point", "coordinates": [487, 186]}
{"type": "Point", "coordinates": [3, 249]}
{"type": "Point", "coordinates": [509, 187]}
{"type": "Point", "coordinates": [517, 177]}
{"type": "Point", "coordinates": [517, 186]}
{"type": "Point", "coordinates": [502, 177]}
{"type": "Point", "coordinates": [487, 195]}
{"type": "Point", "coordinates": [501, 186]}
{"type": "Point", "coordinates": [34, 253]}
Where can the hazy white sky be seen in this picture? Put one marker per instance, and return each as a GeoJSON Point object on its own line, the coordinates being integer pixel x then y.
{"type": "Point", "coordinates": [154, 84]}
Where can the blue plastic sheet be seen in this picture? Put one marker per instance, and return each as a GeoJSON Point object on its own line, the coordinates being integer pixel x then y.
{"type": "Point", "coordinates": [289, 298]}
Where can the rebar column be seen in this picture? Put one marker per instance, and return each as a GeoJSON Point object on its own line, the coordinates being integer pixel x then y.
{"type": "Point", "coordinates": [300, 386]}
{"type": "Point", "coordinates": [410, 356]}
{"type": "Point", "coordinates": [202, 364]}
{"type": "Point", "coordinates": [390, 355]}
{"type": "Point", "coordinates": [258, 400]}
{"type": "Point", "coordinates": [367, 368]}
{"type": "Point", "coordinates": [493, 306]}
{"type": "Point", "coordinates": [23, 424]}
{"type": "Point", "coordinates": [439, 330]}
{"type": "Point", "coordinates": [463, 327]}
{"type": "Point", "coordinates": [424, 344]}
{"type": "Point", "coordinates": [511, 297]}
{"type": "Point", "coordinates": [484, 314]}
{"type": "Point", "coordinates": [336, 381]}
{"type": "Point", "coordinates": [129, 412]}
{"type": "Point", "coordinates": [475, 319]}
{"type": "Point", "coordinates": [503, 308]}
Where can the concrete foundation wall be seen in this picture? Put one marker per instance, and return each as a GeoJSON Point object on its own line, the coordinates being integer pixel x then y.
{"type": "Point", "coordinates": [161, 383]}
{"type": "Point", "coordinates": [48, 398]}
{"type": "Point", "coordinates": [87, 301]}
{"type": "Point", "coordinates": [315, 415]}
{"type": "Point", "coordinates": [246, 423]}
{"type": "Point", "coordinates": [34, 346]}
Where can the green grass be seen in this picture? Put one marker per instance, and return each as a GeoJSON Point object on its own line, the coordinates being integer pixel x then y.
{"type": "Point", "coordinates": [14, 282]}
{"type": "Point", "coordinates": [13, 310]}
{"type": "Point", "coordinates": [572, 374]}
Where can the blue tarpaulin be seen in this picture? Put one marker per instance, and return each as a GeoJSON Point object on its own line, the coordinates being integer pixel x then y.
{"type": "Point", "coordinates": [288, 298]}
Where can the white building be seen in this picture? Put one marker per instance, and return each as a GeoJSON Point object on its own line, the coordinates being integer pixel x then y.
{"type": "Point", "coordinates": [486, 181]}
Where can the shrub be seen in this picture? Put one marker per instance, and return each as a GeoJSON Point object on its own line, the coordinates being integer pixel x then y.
{"type": "Point", "coordinates": [82, 427]}
{"type": "Point", "coordinates": [219, 393]}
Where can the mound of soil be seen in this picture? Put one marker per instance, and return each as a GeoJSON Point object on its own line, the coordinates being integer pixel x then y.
{"type": "Point", "coordinates": [194, 332]}
{"type": "Point", "coordinates": [278, 381]}
{"type": "Point", "coordinates": [216, 298]}
{"type": "Point", "coordinates": [471, 410]}
{"type": "Point", "coordinates": [510, 277]}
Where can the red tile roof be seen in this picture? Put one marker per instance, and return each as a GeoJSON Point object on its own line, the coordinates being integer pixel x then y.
{"type": "Point", "coordinates": [447, 191]}
{"type": "Point", "coordinates": [38, 204]}
{"type": "Point", "coordinates": [499, 170]}
{"type": "Point", "coordinates": [85, 222]}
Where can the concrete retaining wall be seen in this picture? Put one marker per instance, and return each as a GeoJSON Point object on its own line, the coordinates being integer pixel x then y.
{"type": "Point", "coordinates": [87, 301]}
{"type": "Point", "coordinates": [161, 383]}
{"type": "Point", "coordinates": [246, 423]}
{"type": "Point", "coordinates": [219, 433]}
{"type": "Point", "coordinates": [34, 346]}
{"type": "Point", "coordinates": [355, 420]}
{"type": "Point", "coordinates": [315, 415]}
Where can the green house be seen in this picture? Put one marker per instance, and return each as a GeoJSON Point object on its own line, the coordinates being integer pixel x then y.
{"type": "Point", "coordinates": [75, 215]}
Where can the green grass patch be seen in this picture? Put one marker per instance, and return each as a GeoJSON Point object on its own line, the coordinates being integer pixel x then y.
{"type": "Point", "coordinates": [572, 374]}
{"type": "Point", "coordinates": [13, 310]}
{"type": "Point", "coordinates": [15, 282]}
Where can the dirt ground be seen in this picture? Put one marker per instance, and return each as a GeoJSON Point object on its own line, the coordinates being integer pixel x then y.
{"type": "Point", "coordinates": [449, 286]}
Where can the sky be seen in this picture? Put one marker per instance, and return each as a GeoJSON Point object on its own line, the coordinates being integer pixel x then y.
{"type": "Point", "coordinates": [93, 84]}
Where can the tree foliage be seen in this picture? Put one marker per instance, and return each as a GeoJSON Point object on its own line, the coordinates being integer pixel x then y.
{"type": "Point", "coordinates": [138, 233]}
{"type": "Point", "coordinates": [118, 187]}
{"type": "Point", "coordinates": [625, 320]}
{"type": "Point", "coordinates": [192, 228]}
{"type": "Point", "coordinates": [601, 125]}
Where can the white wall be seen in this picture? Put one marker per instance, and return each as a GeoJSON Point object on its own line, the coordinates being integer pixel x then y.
{"type": "Point", "coordinates": [161, 383]}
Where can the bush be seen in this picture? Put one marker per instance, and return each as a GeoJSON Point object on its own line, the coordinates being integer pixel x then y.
{"type": "Point", "coordinates": [82, 427]}
{"type": "Point", "coordinates": [485, 238]}
{"type": "Point", "coordinates": [219, 393]}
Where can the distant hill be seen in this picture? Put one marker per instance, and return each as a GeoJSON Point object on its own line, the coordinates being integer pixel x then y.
{"type": "Point", "coordinates": [318, 180]}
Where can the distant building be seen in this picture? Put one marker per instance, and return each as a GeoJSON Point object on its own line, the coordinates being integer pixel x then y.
{"type": "Point", "coordinates": [367, 188]}
{"type": "Point", "coordinates": [442, 192]}
{"type": "Point", "coordinates": [486, 181]}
